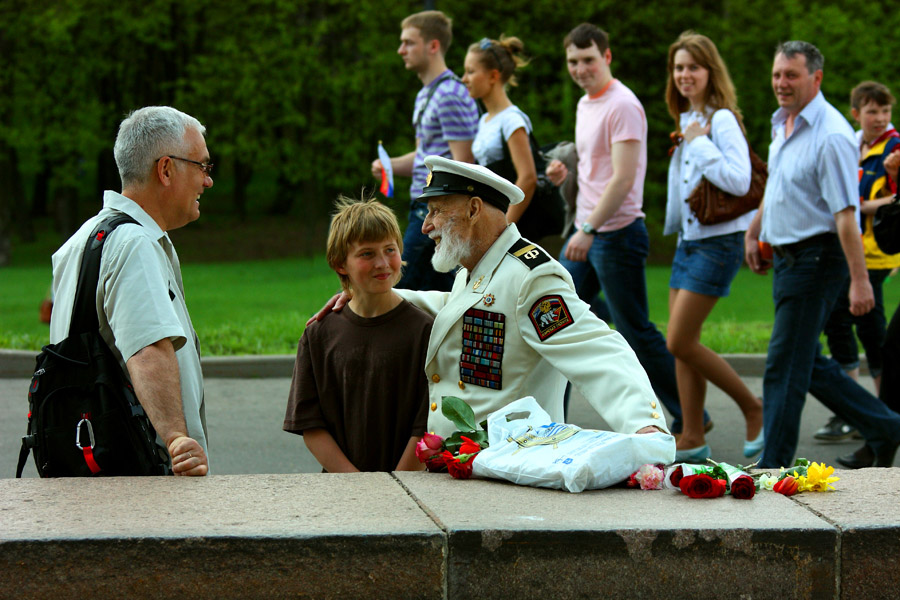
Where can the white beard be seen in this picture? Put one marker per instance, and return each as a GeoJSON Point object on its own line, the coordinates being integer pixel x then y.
{"type": "Point", "coordinates": [450, 252]}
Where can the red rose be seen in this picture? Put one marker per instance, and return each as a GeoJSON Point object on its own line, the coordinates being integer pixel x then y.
{"type": "Point", "coordinates": [743, 487]}
{"type": "Point", "coordinates": [787, 486]}
{"type": "Point", "coordinates": [632, 482]}
{"type": "Point", "coordinates": [468, 446]}
{"type": "Point", "coordinates": [719, 487]}
{"type": "Point", "coordinates": [675, 477]}
{"type": "Point", "coordinates": [702, 486]}
{"type": "Point", "coordinates": [428, 446]}
{"type": "Point", "coordinates": [436, 464]}
{"type": "Point", "coordinates": [459, 469]}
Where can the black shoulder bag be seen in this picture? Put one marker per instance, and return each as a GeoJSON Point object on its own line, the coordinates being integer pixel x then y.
{"type": "Point", "coordinates": [886, 226]}
{"type": "Point", "coordinates": [546, 211]}
{"type": "Point", "coordinates": [84, 418]}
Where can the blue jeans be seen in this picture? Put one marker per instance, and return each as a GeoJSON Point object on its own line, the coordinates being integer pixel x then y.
{"type": "Point", "coordinates": [618, 259]}
{"type": "Point", "coordinates": [589, 291]}
{"type": "Point", "coordinates": [870, 327]}
{"type": "Point", "coordinates": [808, 278]}
{"type": "Point", "coordinates": [418, 248]}
{"type": "Point", "coordinates": [890, 379]}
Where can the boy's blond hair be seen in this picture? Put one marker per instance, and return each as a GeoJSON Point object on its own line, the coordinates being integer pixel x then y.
{"type": "Point", "coordinates": [359, 220]}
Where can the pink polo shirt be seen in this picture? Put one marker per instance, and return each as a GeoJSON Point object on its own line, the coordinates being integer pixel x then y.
{"type": "Point", "coordinates": [616, 115]}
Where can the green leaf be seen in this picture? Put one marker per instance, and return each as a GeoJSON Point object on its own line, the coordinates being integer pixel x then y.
{"type": "Point", "coordinates": [459, 413]}
{"type": "Point", "coordinates": [800, 471]}
{"type": "Point", "coordinates": [480, 437]}
{"type": "Point", "coordinates": [718, 473]}
{"type": "Point", "coordinates": [453, 442]}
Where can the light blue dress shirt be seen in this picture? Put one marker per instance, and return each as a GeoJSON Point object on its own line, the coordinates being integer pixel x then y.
{"type": "Point", "coordinates": [812, 174]}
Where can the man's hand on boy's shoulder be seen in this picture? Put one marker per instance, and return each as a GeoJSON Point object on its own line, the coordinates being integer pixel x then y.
{"type": "Point", "coordinates": [334, 304]}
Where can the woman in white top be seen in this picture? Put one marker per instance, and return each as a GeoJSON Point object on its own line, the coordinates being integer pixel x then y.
{"type": "Point", "coordinates": [490, 66]}
{"type": "Point", "coordinates": [712, 145]}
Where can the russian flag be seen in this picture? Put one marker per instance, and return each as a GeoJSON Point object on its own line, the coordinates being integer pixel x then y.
{"type": "Point", "coordinates": [387, 172]}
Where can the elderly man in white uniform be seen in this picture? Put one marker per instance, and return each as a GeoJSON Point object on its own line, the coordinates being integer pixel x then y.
{"type": "Point", "coordinates": [164, 165]}
{"type": "Point", "coordinates": [512, 326]}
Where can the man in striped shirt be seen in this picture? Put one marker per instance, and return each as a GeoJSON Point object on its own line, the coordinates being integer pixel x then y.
{"type": "Point", "coordinates": [445, 121]}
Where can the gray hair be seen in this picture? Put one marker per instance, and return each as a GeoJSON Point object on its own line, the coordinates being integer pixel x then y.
{"type": "Point", "coordinates": [148, 134]}
{"type": "Point", "coordinates": [814, 59]}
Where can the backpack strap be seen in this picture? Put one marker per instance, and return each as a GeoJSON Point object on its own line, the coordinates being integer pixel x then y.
{"type": "Point", "coordinates": [27, 445]}
{"type": "Point", "coordinates": [431, 92]}
{"type": "Point", "coordinates": [84, 310]}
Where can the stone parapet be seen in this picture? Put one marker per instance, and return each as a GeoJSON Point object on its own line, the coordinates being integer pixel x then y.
{"type": "Point", "coordinates": [420, 535]}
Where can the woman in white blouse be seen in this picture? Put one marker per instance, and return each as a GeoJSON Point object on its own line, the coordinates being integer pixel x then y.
{"type": "Point", "coordinates": [502, 142]}
{"type": "Point", "coordinates": [711, 144]}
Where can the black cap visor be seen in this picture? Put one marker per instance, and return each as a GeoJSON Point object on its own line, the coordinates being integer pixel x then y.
{"type": "Point", "coordinates": [450, 184]}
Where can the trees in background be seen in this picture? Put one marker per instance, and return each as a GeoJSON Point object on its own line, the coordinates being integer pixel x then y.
{"type": "Point", "coordinates": [296, 93]}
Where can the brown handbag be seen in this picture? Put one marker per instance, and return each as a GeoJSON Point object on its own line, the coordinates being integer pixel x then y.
{"type": "Point", "coordinates": [711, 205]}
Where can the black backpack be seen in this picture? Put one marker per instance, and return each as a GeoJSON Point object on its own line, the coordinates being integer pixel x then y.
{"type": "Point", "coordinates": [84, 418]}
{"type": "Point", "coordinates": [886, 226]}
{"type": "Point", "coordinates": [545, 214]}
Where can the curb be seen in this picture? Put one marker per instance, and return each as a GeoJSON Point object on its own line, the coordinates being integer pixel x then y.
{"type": "Point", "coordinates": [15, 364]}
{"type": "Point", "coordinates": [19, 364]}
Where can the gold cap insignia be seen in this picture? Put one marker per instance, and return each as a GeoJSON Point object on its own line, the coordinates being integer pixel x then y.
{"type": "Point", "coordinates": [428, 179]}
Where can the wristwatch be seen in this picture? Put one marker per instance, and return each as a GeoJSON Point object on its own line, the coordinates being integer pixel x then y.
{"type": "Point", "coordinates": [588, 228]}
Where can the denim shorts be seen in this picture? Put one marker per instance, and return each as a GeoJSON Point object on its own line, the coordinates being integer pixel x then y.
{"type": "Point", "coordinates": [708, 266]}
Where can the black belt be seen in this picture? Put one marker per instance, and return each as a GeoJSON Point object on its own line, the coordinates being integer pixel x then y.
{"type": "Point", "coordinates": [816, 240]}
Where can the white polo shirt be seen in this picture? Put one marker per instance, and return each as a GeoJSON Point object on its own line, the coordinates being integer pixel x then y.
{"type": "Point", "coordinates": [140, 298]}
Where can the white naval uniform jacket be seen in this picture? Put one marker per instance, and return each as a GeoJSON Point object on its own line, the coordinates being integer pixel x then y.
{"type": "Point", "coordinates": [514, 327]}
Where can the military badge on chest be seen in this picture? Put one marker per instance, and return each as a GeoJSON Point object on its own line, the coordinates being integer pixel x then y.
{"type": "Point", "coordinates": [549, 315]}
{"type": "Point", "coordinates": [482, 348]}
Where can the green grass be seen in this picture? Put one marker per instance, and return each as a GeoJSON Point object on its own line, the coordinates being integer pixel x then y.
{"type": "Point", "coordinates": [260, 307]}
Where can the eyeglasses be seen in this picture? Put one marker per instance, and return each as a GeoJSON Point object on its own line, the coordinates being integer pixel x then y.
{"type": "Point", "coordinates": [487, 44]}
{"type": "Point", "coordinates": [205, 167]}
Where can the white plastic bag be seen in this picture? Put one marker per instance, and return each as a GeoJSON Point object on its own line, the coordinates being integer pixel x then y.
{"type": "Point", "coordinates": [534, 451]}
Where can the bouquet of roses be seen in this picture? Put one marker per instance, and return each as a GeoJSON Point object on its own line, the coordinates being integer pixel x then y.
{"type": "Point", "coordinates": [715, 480]}
{"type": "Point", "coordinates": [455, 453]}
{"type": "Point", "coordinates": [697, 481]}
{"type": "Point", "coordinates": [804, 476]}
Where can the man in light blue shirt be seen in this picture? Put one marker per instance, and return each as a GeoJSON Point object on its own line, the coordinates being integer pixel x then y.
{"type": "Point", "coordinates": [808, 216]}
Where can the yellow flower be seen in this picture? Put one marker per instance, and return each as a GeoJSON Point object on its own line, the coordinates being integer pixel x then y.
{"type": "Point", "coordinates": [818, 478]}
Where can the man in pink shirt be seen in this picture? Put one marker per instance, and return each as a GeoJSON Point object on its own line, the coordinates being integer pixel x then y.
{"type": "Point", "coordinates": [610, 237]}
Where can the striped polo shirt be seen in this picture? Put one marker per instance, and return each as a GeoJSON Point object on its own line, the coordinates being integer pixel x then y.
{"type": "Point", "coordinates": [450, 115]}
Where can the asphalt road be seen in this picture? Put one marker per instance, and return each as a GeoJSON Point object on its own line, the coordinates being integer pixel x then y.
{"type": "Point", "coordinates": [245, 415]}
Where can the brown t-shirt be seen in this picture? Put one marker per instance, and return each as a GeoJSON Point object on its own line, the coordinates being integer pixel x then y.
{"type": "Point", "coordinates": [363, 380]}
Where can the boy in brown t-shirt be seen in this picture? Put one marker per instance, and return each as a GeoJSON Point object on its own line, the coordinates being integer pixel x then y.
{"type": "Point", "coordinates": [359, 395]}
